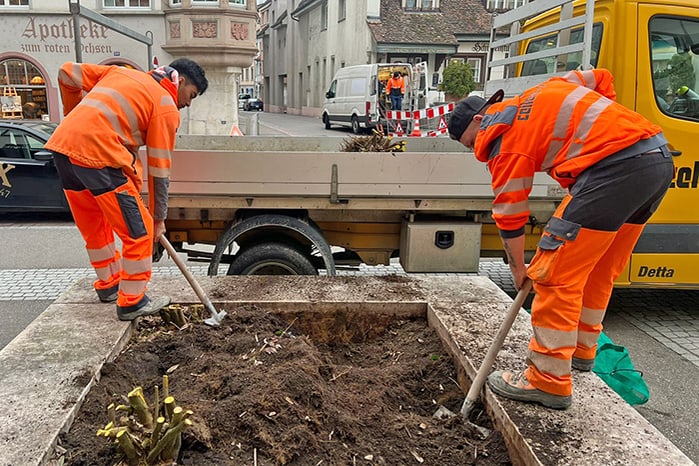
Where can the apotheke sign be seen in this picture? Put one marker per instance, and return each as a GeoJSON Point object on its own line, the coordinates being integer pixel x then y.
{"type": "Point", "coordinates": [53, 36]}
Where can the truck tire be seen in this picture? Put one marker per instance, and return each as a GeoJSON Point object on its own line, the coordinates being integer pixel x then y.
{"type": "Point", "coordinates": [326, 120]}
{"type": "Point", "coordinates": [271, 259]}
{"type": "Point", "coordinates": [356, 129]}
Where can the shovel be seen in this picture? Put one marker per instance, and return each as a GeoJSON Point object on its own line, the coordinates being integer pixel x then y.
{"type": "Point", "coordinates": [487, 364]}
{"type": "Point", "coordinates": [216, 317]}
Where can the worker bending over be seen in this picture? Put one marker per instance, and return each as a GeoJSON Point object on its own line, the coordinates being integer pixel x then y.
{"type": "Point", "coordinates": [616, 167]}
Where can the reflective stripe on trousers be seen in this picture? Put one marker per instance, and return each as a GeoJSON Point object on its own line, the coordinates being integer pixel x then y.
{"type": "Point", "coordinates": [104, 202]}
{"type": "Point", "coordinates": [584, 248]}
{"type": "Point", "coordinates": [571, 300]}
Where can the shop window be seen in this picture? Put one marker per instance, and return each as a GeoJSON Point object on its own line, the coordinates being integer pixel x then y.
{"type": "Point", "coordinates": [14, 2]}
{"type": "Point", "coordinates": [22, 78]}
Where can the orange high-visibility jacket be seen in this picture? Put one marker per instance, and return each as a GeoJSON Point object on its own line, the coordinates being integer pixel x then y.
{"type": "Point", "coordinates": [396, 83]}
{"type": "Point", "coordinates": [110, 112]}
{"type": "Point", "coordinates": [562, 126]}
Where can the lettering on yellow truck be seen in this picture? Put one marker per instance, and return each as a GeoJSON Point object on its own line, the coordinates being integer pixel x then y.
{"type": "Point", "coordinates": [687, 177]}
{"type": "Point", "coordinates": [661, 271]}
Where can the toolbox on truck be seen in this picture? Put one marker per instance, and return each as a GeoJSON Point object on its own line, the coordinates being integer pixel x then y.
{"type": "Point", "coordinates": [437, 246]}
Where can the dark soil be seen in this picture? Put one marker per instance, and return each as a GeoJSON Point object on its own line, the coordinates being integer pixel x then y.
{"type": "Point", "coordinates": [262, 393]}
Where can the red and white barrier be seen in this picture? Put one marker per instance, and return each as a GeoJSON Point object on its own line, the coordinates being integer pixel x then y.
{"type": "Point", "coordinates": [427, 113]}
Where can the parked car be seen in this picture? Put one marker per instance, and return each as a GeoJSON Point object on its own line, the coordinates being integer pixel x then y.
{"type": "Point", "coordinates": [242, 99]}
{"type": "Point", "coordinates": [28, 178]}
{"type": "Point", "coordinates": [253, 104]}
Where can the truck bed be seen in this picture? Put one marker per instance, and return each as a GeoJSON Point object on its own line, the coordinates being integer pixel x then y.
{"type": "Point", "coordinates": [274, 167]}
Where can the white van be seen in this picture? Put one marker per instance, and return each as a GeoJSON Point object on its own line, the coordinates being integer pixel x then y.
{"type": "Point", "coordinates": [357, 97]}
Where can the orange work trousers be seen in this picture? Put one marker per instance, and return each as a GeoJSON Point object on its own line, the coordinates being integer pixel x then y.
{"type": "Point", "coordinates": [104, 201]}
{"type": "Point", "coordinates": [576, 280]}
{"type": "Point", "coordinates": [585, 246]}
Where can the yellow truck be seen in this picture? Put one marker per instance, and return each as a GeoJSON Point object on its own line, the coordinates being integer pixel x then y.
{"type": "Point", "coordinates": [652, 49]}
{"type": "Point", "coordinates": [300, 205]}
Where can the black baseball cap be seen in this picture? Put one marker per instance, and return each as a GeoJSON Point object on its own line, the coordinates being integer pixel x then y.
{"type": "Point", "coordinates": [466, 109]}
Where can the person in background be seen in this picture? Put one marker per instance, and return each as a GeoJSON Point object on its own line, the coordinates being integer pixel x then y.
{"type": "Point", "coordinates": [395, 88]}
{"type": "Point", "coordinates": [616, 167]}
{"type": "Point", "coordinates": [110, 112]}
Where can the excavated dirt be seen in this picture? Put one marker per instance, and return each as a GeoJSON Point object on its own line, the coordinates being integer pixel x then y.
{"type": "Point", "coordinates": [264, 393]}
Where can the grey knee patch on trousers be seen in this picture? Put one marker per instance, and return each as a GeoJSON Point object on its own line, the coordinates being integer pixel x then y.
{"type": "Point", "coordinates": [132, 215]}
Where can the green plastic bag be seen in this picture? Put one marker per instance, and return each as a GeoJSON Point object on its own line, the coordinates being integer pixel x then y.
{"type": "Point", "coordinates": [613, 365]}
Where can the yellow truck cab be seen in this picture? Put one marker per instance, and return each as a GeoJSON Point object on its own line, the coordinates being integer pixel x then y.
{"type": "Point", "coordinates": [652, 49]}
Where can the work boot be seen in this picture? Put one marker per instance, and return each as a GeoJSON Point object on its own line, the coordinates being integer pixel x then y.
{"type": "Point", "coordinates": [145, 307]}
{"type": "Point", "coordinates": [583, 365]}
{"type": "Point", "coordinates": [108, 295]}
{"type": "Point", "coordinates": [517, 387]}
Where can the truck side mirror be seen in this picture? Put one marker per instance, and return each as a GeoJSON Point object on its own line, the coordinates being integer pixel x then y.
{"type": "Point", "coordinates": [330, 94]}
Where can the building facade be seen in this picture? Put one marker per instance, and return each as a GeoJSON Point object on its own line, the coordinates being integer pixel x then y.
{"type": "Point", "coordinates": [38, 36]}
{"type": "Point", "coordinates": [307, 41]}
{"type": "Point", "coordinates": [259, 64]}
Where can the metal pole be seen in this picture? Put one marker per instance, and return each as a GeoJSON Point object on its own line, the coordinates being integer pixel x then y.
{"type": "Point", "coordinates": [255, 126]}
{"type": "Point", "coordinates": [149, 34]}
{"type": "Point", "coordinates": [75, 11]}
{"type": "Point", "coordinates": [587, 34]}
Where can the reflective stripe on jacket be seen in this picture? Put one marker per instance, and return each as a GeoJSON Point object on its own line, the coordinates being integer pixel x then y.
{"type": "Point", "coordinates": [562, 126]}
{"type": "Point", "coordinates": [110, 112]}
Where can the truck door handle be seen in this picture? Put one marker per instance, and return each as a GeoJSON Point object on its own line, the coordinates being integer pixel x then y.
{"type": "Point", "coordinates": [444, 239]}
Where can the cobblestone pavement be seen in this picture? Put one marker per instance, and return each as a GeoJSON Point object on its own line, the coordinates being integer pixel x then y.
{"type": "Point", "coordinates": [669, 316]}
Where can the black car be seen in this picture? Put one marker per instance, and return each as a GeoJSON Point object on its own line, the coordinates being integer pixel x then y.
{"type": "Point", "coordinates": [253, 104]}
{"type": "Point", "coordinates": [28, 178]}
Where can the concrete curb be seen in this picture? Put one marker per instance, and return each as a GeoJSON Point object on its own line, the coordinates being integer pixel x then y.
{"type": "Point", "coordinates": [46, 371]}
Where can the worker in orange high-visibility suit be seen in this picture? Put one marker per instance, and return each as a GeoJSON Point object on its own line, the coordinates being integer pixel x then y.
{"type": "Point", "coordinates": [395, 88]}
{"type": "Point", "coordinates": [110, 112]}
{"type": "Point", "coordinates": [616, 167]}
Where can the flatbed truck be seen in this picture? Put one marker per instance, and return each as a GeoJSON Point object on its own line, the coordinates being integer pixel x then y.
{"type": "Point", "coordinates": [299, 205]}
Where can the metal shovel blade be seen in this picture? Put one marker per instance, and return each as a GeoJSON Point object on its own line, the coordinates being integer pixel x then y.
{"type": "Point", "coordinates": [216, 317]}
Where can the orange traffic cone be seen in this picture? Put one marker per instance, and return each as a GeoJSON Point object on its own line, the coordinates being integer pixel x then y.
{"type": "Point", "coordinates": [416, 129]}
{"type": "Point", "coordinates": [235, 131]}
